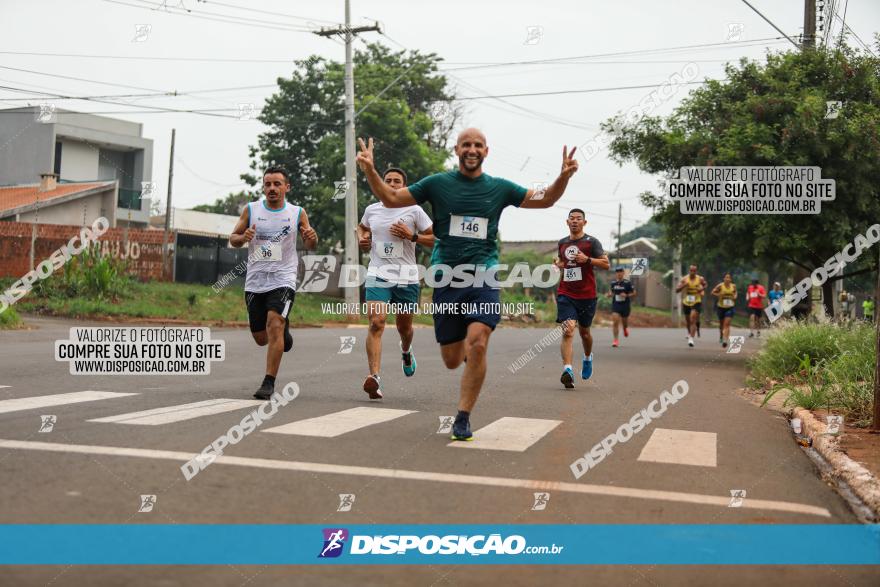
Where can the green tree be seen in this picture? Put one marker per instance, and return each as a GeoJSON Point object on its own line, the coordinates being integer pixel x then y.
{"type": "Point", "coordinates": [401, 101]}
{"type": "Point", "coordinates": [771, 113]}
{"type": "Point", "coordinates": [232, 204]}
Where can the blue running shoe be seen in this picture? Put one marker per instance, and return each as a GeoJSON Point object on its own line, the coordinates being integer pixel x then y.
{"type": "Point", "coordinates": [461, 429]}
{"type": "Point", "coordinates": [567, 378]}
{"type": "Point", "coordinates": [408, 359]}
{"type": "Point", "coordinates": [587, 367]}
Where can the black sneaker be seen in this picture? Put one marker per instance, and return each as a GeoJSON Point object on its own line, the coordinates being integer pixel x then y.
{"type": "Point", "coordinates": [461, 429]}
{"type": "Point", "coordinates": [288, 338]}
{"type": "Point", "coordinates": [265, 392]}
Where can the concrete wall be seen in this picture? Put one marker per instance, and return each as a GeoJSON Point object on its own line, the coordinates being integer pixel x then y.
{"type": "Point", "coordinates": [30, 147]}
{"type": "Point", "coordinates": [79, 161]}
{"type": "Point", "coordinates": [141, 249]}
{"type": "Point", "coordinates": [79, 212]}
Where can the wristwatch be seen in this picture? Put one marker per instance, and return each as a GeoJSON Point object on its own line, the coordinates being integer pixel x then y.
{"type": "Point", "coordinates": [590, 259]}
{"type": "Point", "coordinates": [415, 237]}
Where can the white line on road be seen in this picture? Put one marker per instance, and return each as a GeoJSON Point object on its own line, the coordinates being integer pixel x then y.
{"type": "Point", "coordinates": [681, 447]}
{"type": "Point", "coordinates": [514, 434]}
{"type": "Point", "coordinates": [4, 386]}
{"type": "Point", "coordinates": [339, 423]}
{"type": "Point", "coordinates": [58, 399]}
{"type": "Point", "coordinates": [606, 490]}
{"type": "Point", "coordinates": [171, 414]}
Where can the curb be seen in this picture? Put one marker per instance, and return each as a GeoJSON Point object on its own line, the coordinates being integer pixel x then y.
{"type": "Point", "coordinates": [864, 484]}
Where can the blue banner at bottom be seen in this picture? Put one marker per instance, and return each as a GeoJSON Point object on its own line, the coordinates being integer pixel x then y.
{"type": "Point", "coordinates": [159, 544]}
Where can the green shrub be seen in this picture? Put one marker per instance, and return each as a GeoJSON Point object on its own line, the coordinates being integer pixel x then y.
{"type": "Point", "coordinates": [9, 318]}
{"type": "Point", "coordinates": [88, 275]}
{"type": "Point", "coordinates": [835, 361]}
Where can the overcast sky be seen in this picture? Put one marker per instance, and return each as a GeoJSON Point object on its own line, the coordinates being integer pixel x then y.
{"type": "Point", "coordinates": [524, 146]}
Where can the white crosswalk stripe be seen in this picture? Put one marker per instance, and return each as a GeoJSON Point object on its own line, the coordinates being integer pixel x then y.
{"type": "Point", "coordinates": [58, 399]}
{"type": "Point", "coordinates": [179, 413]}
{"type": "Point", "coordinates": [513, 434]}
{"type": "Point", "coordinates": [338, 423]}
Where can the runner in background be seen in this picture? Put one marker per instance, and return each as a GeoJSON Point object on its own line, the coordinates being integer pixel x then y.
{"type": "Point", "coordinates": [269, 228]}
{"type": "Point", "coordinates": [694, 286]}
{"type": "Point", "coordinates": [776, 294]}
{"type": "Point", "coordinates": [621, 292]}
{"type": "Point", "coordinates": [578, 253]}
{"type": "Point", "coordinates": [726, 294]}
{"type": "Point", "coordinates": [755, 295]}
{"type": "Point", "coordinates": [391, 235]}
{"type": "Point", "coordinates": [868, 309]}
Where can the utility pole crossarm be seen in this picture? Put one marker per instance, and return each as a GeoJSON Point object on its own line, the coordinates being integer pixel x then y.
{"type": "Point", "coordinates": [328, 32]}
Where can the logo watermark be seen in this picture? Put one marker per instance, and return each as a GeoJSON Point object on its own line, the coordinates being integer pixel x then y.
{"type": "Point", "coordinates": [346, 502]}
{"type": "Point", "coordinates": [185, 350]}
{"type": "Point", "coordinates": [148, 502]}
{"type": "Point", "coordinates": [734, 31]}
{"type": "Point", "coordinates": [56, 261]}
{"type": "Point", "coordinates": [238, 432]}
{"type": "Point", "coordinates": [629, 429]}
{"type": "Point", "coordinates": [750, 190]}
{"type": "Point", "coordinates": [832, 109]}
{"type": "Point", "coordinates": [541, 500]}
{"type": "Point", "coordinates": [346, 345]}
{"type": "Point", "coordinates": [142, 33]}
{"type": "Point", "coordinates": [832, 266]}
{"type": "Point", "coordinates": [534, 34]}
{"type": "Point", "coordinates": [47, 113]}
{"type": "Point", "coordinates": [47, 423]}
{"type": "Point", "coordinates": [735, 344]}
{"type": "Point", "coordinates": [445, 424]}
{"type": "Point", "coordinates": [737, 496]}
{"type": "Point", "coordinates": [645, 106]}
{"type": "Point", "coordinates": [334, 541]}
{"type": "Point", "coordinates": [551, 337]}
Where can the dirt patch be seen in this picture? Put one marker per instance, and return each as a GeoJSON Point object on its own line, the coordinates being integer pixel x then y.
{"type": "Point", "coordinates": [863, 447]}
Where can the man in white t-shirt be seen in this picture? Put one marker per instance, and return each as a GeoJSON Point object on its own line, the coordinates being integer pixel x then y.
{"type": "Point", "coordinates": [391, 234]}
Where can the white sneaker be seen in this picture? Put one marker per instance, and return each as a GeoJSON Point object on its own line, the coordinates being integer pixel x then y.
{"type": "Point", "coordinates": [690, 341]}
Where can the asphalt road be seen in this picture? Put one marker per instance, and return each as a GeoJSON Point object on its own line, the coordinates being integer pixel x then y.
{"type": "Point", "coordinates": [704, 446]}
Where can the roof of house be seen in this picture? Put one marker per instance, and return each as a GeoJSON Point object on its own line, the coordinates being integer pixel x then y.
{"type": "Point", "coordinates": [193, 221]}
{"type": "Point", "coordinates": [16, 199]}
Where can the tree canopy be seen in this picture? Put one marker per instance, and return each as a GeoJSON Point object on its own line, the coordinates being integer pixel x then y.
{"type": "Point", "coordinates": [771, 113]}
{"type": "Point", "coordinates": [402, 102]}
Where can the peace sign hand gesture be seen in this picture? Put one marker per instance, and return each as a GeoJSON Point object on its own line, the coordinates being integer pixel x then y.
{"type": "Point", "coordinates": [365, 155]}
{"type": "Point", "coordinates": [569, 163]}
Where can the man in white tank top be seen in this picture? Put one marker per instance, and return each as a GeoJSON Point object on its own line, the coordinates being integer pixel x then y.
{"type": "Point", "coordinates": [391, 236]}
{"type": "Point", "coordinates": [269, 227]}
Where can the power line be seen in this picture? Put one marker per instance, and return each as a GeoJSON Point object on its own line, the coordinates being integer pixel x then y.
{"type": "Point", "coordinates": [585, 91]}
{"type": "Point", "coordinates": [269, 12]}
{"type": "Point", "coordinates": [770, 22]}
{"type": "Point", "coordinates": [731, 44]}
{"type": "Point", "coordinates": [225, 17]}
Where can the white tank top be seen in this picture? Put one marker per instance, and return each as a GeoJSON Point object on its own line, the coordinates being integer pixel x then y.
{"type": "Point", "coordinates": [272, 255]}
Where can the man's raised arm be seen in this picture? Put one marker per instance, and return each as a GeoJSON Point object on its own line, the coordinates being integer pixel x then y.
{"type": "Point", "coordinates": [391, 197]}
{"type": "Point", "coordinates": [548, 197]}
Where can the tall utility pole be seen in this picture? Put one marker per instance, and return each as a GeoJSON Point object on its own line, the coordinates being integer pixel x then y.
{"type": "Point", "coordinates": [619, 216]}
{"type": "Point", "coordinates": [168, 206]}
{"type": "Point", "coordinates": [170, 179]}
{"type": "Point", "coordinates": [876, 422]}
{"type": "Point", "coordinates": [351, 249]}
{"type": "Point", "coordinates": [676, 277]}
{"type": "Point", "coordinates": [809, 40]}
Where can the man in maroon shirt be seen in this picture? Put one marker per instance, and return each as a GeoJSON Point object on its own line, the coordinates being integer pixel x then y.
{"type": "Point", "coordinates": [578, 254]}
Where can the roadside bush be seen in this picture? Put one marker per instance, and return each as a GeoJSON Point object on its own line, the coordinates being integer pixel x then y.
{"type": "Point", "coordinates": [88, 275]}
{"type": "Point", "coordinates": [9, 319]}
{"type": "Point", "coordinates": [822, 364]}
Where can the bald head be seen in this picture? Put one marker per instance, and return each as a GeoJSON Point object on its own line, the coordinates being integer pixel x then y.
{"type": "Point", "coordinates": [472, 134]}
{"type": "Point", "coordinates": [471, 149]}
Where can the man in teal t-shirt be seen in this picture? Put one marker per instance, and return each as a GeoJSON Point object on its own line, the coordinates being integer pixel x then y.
{"type": "Point", "coordinates": [466, 205]}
